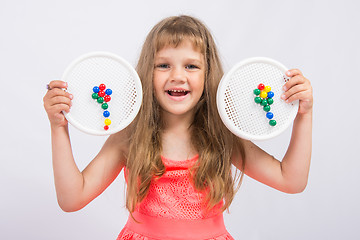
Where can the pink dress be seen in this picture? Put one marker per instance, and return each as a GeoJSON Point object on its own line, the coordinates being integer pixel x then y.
{"type": "Point", "coordinates": [174, 210]}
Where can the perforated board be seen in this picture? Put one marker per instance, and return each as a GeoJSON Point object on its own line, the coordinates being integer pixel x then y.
{"type": "Point", "coordinates": [97, 68]}
{"type": "Point", "coordinates": [236, 105]}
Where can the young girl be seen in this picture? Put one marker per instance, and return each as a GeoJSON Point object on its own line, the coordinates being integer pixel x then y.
{"type": "Point", "coordinates": [177, 154]}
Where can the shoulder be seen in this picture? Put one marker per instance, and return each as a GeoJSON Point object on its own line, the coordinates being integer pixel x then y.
{"type": "Point", "coordinates": [118, 145]}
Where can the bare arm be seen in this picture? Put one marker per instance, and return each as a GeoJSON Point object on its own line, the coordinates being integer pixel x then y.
{"type": "Point", "coordinates": [76, 189]}
{"type": "Point", "coordinates": [291, 174]}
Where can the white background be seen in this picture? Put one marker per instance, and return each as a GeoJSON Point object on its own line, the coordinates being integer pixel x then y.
{"type": "Point", "coordinates": [38, 39]}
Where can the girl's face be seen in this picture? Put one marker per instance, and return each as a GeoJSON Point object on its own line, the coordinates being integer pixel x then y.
{"type": "Point", "coordinates": [179, 76]}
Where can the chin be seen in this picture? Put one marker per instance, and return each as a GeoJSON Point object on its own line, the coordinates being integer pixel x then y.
{"type": "Point", "coordinates": [178, 112]}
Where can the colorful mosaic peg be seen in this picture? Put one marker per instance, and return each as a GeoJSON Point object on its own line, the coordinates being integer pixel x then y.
{"type": "Point", "coordinates": [106, 114]}
{"type": "Point", "coordinates": [263, 102]}
{"type": "Point", "coordinates": [272, 122]}
{"type": "Point", "coordinates": [257, 91]}
{"type": "Point", "coordinates": [270, 101]}
{"type": "Point", "coordinates": [107, 122]}
{"type": "Point", "coordinates": [95, 95]}
{"type": "Point", "coordinates": [100, 100]}
{"type": "Point", "coordinates": [263, 94]}
{"type": "Point", "coordinates": [96, 89]}
{"type": "Point", "coordinates": [270, 94]}
{"type": "Point", "coordinates": [269, 115]}
{"type": "Point", "coordinates": [261, 86]}
{"type": "Point", "coordinates": [107, 98]}
{"type": "Point", "coordinates": [102, 96]}
{"type": "Point", "coordinates": [266, 108]}
{"type": "Point", "coordinates": [102, 87]}
{"type": "Point", "coordinates": [108, 91]}
{"type": "Point", "coordinates": [264, 97]}
{"type": "Point", "coordinates": [267, 89]}
{"type": "Point", "coordinates": [104, 106]}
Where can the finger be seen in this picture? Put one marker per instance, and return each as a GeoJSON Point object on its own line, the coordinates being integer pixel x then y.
{"type": "Point", "coordinates": [293, 72]}
{"type": "Point", "coordinates": [304, 96]}
{"type": "Point", "coordinates": [59, 116]}
{"type": "Point", "coordinates": [64, 107]}
{"type": "Point", "coordinates": [58, 108]}
{"type": "Point", "coordinates": [58, 92]}
{"type": "Point", "coordinates": [59, 100]}
{"type": "Point", "coordinates": [296, 80]}
{"type": "Point", "coordinates": [292, 91]}
{"type": "Point", "coordinates": [56, 96]}
{"type": "Point", "coordinates": [57, 84]}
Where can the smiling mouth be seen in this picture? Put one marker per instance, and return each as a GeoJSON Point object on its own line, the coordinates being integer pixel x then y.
{"type": "Point", "coordinates": [177, 93]}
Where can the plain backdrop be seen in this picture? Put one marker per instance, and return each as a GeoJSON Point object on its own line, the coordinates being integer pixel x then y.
{"type": "Point", "coordinates": [39, 38]}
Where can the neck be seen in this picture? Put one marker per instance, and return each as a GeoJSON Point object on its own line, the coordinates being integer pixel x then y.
{"type": "Point", "coordinates": [176, 123]}
{"type": "Point", "coordinates": [176, 137]}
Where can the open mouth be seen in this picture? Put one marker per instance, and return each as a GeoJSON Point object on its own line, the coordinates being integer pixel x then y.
{"type": "Point", "coordinates": [177, 93]}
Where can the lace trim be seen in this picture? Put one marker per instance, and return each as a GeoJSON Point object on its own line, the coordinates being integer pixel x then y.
{"type": "Point", "coordinates": [173, 196]}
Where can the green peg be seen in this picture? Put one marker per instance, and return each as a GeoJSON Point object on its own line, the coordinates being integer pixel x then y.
{"type": "Point", "coordinates": [266, 108]}
{"type": "Point", "coordinates": [95, 96]}
{"type": "Point", "coordinates": [272, 122]}
{"type": "Point", "coordinates": [104, 106]}
{"type": "Point", "coordinates": [264, 102]}
{"type": "Point", "coordinates": [100, 100]}
{"type": "Point", "coordinates": [270, 101]}
{"type": "Point", "coordinates": [258, 99]}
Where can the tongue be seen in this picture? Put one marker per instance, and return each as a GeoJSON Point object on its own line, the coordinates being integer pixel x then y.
{"type": "Point", "coordinates": [177, 94]}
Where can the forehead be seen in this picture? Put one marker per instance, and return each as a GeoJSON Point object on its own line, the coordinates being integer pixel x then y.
{"type": "Point", "coordinates": [174, 40]}
{"type": "Point", "coordinates": [184, 49]}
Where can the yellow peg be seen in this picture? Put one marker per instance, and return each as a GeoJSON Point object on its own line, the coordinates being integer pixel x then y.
{"type": "Point", "coordinates": [107, 122]}
{"type": "Point", "coordinates": [263, 94]}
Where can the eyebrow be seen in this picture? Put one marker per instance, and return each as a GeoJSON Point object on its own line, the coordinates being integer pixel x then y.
{"type": "Point", "coordinates": [194, 60]}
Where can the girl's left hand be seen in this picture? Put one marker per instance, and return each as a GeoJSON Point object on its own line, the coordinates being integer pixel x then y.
{"type": "Point", "coordinates": [298, 88]}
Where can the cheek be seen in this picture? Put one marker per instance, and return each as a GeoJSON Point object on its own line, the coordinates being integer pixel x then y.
{"type": "Point", "coordinates": [156, 83]}
{"type": "Point", "coordinates": [201, 84]}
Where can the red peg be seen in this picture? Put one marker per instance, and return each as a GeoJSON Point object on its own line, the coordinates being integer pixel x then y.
{"type": "Point", "coordinates": [102, 87]}
{"type": "Point", "coordinates": [107, 98]}
{"type": "Point", "coordinates": [101, 93]}
{"type": "Point", "coordinates": [261, 86]}
{"type": "Point", "coordinates": [106, 127]}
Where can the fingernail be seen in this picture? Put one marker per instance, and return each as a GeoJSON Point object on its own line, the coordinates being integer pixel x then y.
{"type": "Point", "coordinates": [283, 96]}
{"type": "Point", "coordinates": [284, 88]}
{"type": "Point", "coordinates": [71, 96]}
{"type": "Point", "coordinates": [288, 73]}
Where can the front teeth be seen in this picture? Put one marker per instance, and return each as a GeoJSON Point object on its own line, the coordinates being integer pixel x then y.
{"type": "Point", "coordinates": [177, 91]}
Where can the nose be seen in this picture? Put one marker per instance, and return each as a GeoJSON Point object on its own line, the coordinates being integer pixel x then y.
{"type": "Point", "coordinates": [178, 74]}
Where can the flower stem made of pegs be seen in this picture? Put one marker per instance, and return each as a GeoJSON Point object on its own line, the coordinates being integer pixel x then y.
{"type": "Point", "coordinates": [102, 96]}
{"type": "Point", "coordinates": [264, 97]}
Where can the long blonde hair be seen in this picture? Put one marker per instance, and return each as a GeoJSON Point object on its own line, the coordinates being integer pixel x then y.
{"type": "Point", "coordinates": [213, 141]}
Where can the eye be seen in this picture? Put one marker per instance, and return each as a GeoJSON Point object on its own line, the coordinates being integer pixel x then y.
{"type": "Point", "coordinates": [191, 66]}
{"type": "Point", "coordinates": [162, 65]}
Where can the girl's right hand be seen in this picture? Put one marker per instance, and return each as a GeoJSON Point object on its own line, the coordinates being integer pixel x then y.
{"type": "Point", "coordinates": [57, 100]}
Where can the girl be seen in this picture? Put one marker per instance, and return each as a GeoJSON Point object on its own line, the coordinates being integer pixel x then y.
{"type": "Point", "coordinates": [177, 154]}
